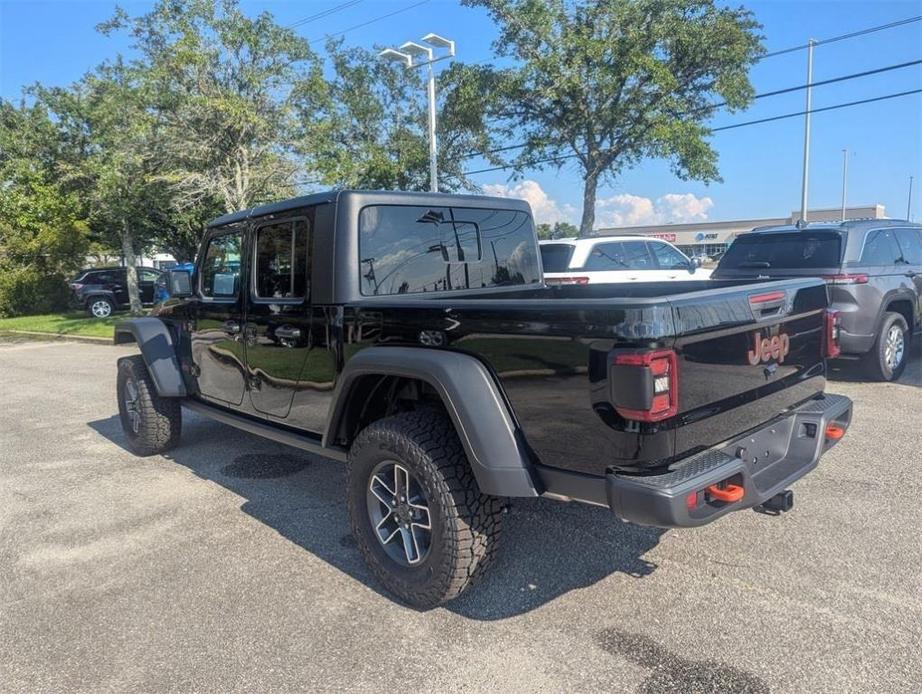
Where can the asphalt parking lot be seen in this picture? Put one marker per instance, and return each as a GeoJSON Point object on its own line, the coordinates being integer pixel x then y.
{"type": "Point", "coordinates": [228, 565]}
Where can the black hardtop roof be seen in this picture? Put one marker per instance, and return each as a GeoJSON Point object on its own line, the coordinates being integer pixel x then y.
{"type": "Point", "coordinates": [370, 196]}
{"type": "Point", "coordinates": [836, 225]}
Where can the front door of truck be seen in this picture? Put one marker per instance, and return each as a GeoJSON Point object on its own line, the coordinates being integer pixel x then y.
{"type": "Point", "coordinates": [217, 332]}
{"type": "Point", "coordinates": [278, 320]}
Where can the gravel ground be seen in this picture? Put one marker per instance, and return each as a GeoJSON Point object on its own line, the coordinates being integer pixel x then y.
{"type": "Point", "coordinates": [228, 565]}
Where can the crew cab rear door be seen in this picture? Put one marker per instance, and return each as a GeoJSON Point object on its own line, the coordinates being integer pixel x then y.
{"type": "Point", "coordinates": [278, 317]}
{"type": "Point", "coordinates": [746, 353]}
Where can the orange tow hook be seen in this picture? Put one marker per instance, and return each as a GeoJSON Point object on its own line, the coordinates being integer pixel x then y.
{"type": "Point", "coordinates": [834, 432]}
{"type": "Point", "coordinates": [728, 493]}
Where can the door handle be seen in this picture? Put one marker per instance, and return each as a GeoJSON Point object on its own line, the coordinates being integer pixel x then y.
{"type": "Point", "coordinates": [911, 274]}
{"type": "Point", "coordinates": [288, 333]}
{"type": "Point", "coordinates": [231, 327]}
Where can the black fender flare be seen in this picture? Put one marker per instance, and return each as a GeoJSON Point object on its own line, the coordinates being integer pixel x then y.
{"type": "Point", "coordinates": [158, 351]}
{"type": "Point", "coordinates": [495, 447]}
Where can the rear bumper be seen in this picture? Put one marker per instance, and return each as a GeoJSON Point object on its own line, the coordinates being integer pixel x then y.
{"type": "Point", "coordinates": [851, 343]}
{"type": "Point", "coordinates": [763, 462]}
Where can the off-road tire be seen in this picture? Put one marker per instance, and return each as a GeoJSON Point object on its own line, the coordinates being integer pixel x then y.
{"type": "Point", "coordinates": [466, 523]}
{"type": "Point", "coordinates": [159, 420]}
{"type": "Point", "coordinates": [92, 301]}
{"type": "Point", "coordinates": [875, 361]}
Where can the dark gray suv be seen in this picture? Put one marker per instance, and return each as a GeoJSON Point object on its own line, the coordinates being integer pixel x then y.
{"type": "Point", "coordinates": [872, 267]}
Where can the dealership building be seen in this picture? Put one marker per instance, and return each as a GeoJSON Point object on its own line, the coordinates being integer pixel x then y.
{"type": "Point", "coordinates": [710, 238]}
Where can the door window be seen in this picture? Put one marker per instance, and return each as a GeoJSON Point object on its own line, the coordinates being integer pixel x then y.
{"type": "Point", "coordinates": [910, 241]}
{"type": "Point", "coordinates": [145, 275]}
{"type": "Point", "coordinates": [668, 257]}
{"type": "Point", "coordinates": [220, 272]}
{"type": "Point", "coordinates": [619, 255]}
{"type": "Point", "coordinates": [281, 260]}
{"type": "Point", "coordinates": [881, 248]}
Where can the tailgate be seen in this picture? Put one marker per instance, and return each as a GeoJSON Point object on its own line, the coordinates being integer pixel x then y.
{"type": "Point", "coordinates": [745, 355]}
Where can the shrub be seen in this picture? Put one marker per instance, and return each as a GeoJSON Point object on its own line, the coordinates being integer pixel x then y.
{"type": "Point", "coordinates": [26, 290]}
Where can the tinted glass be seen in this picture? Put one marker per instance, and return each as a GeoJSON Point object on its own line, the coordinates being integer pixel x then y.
{"type": "Point", "coordinates": [668, 257]}
{"type": "Point", "coordinates": [220, 272]}
{"type": "Point", "coordinates": [409, 249]}
{"type": "Point", "coordinates": [556, 256]}
{"type": "Point", "coordinates": [797, 250]}
{"type": "Point", "coordinates": [910, 241]}
{"type": "Point", "coordinates": [281, 260]}
{"type": "Point", "coordinates": [881, 248]}
{"type": "Point", "coordinates": [619, 255]}
{"type": "Point", "coordinates": [99, 278]}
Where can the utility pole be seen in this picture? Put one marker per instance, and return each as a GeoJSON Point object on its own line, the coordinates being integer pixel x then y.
{"type": "Point", "coordinates": [844, 179]}
{"type": "Point", "coordinates": [806, 172]}
{"type": "Point", "coordinates": [909, 202]}
{"type": "Point", "coordinates": [412, 55]}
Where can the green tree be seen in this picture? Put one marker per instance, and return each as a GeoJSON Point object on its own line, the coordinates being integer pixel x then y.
{"type": "Point", "coordinates": [610, 83]}
{"type": "Point", "coordinates": [221, 87]}
{"type": "Point", "coordinates": [366, 126]}
{"type": "Point", "coordinates": [42, 235]}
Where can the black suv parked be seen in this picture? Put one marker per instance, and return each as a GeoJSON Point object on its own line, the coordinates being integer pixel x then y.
{"type": "Point", "coordinates": [873, 270]}
{"type": "Point", "coordinates": [101, 291]}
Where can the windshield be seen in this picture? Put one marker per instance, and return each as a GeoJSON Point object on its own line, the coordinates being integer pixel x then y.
{"type": "Point", "coordinates": [556, 256]}
{"type": "Point", "coordinates": [797, 250]}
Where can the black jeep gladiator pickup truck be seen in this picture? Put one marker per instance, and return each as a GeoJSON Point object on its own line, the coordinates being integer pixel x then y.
{"type": "Point", "coordinates": [411, 335]}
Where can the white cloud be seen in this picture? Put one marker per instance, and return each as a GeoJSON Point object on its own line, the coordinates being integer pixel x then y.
{"type": "Point", "coordinates": [619, 210]}
{"type": "Point", "coordinates": [544, 208]}
{"type": "Point", "coordinates": [633, 210]}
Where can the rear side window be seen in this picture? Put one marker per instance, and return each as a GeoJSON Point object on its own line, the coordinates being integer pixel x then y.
{"type": "Point", "coordinates": [220, 271]}
{"type": "Point", "coordinates": [408, 249]}
{"type": "Point", "coordinates": [281, 260]}
{"type": "Point", "coordinates": [881, 248]}
{"type": "Point", "coordinates": [556, 256]}
{"type": "Point", "coordinates": [797, 250]}
{"type": "Point", "coordinates": [619, 255]}
{"type": "Point", "coordinates": [910, 241]}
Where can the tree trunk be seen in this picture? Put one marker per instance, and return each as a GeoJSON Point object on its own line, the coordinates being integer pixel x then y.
{"type": "Point", "coordinates": [134, 296]}
{"type": "Point", "coordinates": [590, 184]}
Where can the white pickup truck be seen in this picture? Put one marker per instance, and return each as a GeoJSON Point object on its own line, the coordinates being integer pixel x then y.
{"type": "Point", "coordinates": [615, 259]}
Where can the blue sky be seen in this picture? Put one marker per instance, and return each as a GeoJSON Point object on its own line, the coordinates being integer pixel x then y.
{"type": "Point", "coordinates": [55, 43]}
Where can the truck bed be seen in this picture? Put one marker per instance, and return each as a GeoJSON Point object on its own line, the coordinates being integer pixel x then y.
{"type": "Point", "coordinates": [550, 348]}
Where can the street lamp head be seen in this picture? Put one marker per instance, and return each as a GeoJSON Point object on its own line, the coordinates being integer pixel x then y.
{"type": "Point", "coordinates": [440, 42]}
{"type": "Point", "coordinates": [414, 48]}
{"type": "Point", "coordinates": [397, 56]}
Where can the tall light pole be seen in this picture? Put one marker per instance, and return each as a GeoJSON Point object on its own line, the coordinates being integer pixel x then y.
{"type": "Point", "coordinates": [413, 55]}
{"type": "Point", "coordinates": [806, 172]}
{"type": "Point", "coordinates": [909, 202]}
{"type": "Point", "coordinates": [844, 179]}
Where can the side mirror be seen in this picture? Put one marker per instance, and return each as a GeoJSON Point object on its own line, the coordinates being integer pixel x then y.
{"type": "Point", "coordinates": [180, 283]}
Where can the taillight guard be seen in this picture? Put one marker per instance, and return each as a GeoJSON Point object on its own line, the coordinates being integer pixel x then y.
{"type": "Point", "coordinates": [661, 381]}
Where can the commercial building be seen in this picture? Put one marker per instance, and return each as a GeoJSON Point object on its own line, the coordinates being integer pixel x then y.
{"type": "Point", "coordinates": [710, 238]}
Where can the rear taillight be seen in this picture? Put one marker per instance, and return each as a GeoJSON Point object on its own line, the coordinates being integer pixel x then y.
{"type": "Point", "coordinates": [567, 280]}
{"type": "Point", "coordinates": [76, 286]}
{"type": "Point", "coordinates": [858, 278]}
{"type": "Point", "coordinates": [645, 385]}
{"type": "Point", "coordinates": [832, 334]}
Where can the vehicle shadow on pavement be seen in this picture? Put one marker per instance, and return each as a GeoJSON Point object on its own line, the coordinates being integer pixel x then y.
{"type": "Point", "coordinates": [851, 371]}
{"type": "Point", "coordinates": [548, 548]}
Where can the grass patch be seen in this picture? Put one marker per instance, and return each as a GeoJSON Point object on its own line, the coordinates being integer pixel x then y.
{"type": "Point", "coordinates": [78, 324]}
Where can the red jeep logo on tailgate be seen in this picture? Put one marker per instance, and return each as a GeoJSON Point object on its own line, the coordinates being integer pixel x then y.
{"type": "Point", "coordinates": [766, 348]}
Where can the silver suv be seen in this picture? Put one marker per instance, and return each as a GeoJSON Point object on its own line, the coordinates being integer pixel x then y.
{"type": "Point", "coordinates": [873, 268]}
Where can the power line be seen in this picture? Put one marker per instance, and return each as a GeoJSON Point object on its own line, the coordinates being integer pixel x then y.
{"type": "Point", "coordinates": [776, 92]}
{"type": "Point", "coordinates": [842, 37]}
{"type": "Point", "coordinates": [323, 13]}
{"type": "Point", "coordinates": [725, 127]}
{"type": "Point", "coordinates": [370, 21]}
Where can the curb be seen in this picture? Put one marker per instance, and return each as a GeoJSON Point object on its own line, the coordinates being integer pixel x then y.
{"type": "Point", "coordinates": [37, 335]}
